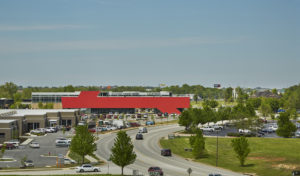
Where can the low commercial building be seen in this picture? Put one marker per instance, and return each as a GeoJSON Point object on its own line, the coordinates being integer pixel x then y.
{"type": "Point", "coordinates": [28, 119]}
{"type": "Point", "coordinates": [8, 130]}
{"type": "Point", "coordinates": [106, 102]}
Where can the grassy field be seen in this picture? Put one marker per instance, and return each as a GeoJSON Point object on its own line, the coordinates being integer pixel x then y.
{"type": "Point", "coordinates": [268, 156]}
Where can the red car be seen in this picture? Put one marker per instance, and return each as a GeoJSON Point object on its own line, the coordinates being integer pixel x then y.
{"type": "Point", "coordinates": [92, 130]}
{"type": "Point", "coordinates": [155, 171]}
{"type": "Point", "coordinates": [8, 146]}
{"type": "Point", "coordinates": [134, 124]}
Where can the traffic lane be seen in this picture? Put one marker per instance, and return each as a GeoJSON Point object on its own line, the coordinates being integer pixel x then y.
{"type": "Point", "coordinates": [172, 165]}
{"type": "Point", "coordinates": [47, 144]}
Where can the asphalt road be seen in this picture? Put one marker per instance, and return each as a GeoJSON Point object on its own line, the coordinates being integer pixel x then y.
{"type": "Point", "coordinates": [47, 144]}
{"type": "Point", "coordinates": [148, 154]}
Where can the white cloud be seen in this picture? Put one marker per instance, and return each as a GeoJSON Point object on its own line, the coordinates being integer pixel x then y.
{"type": "Point", "coordinates": [28, 47]}
{"type": "Point", "coordinates": [37, 27]}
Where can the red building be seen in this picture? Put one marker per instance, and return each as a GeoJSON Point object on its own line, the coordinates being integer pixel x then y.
{"type": "Point", "coordinates": [126, 102]}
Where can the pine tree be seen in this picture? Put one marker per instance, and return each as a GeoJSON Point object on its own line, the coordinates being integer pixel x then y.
{"type": "Point", "coordinates": [122, 151]}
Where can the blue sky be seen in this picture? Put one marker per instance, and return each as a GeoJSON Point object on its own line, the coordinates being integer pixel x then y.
{"type": "Point", "coordinates": [147, 42]}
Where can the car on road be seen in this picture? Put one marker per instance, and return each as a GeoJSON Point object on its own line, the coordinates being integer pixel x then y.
{"type": "Point", "coordinates": [166, 152]}
{"type": "Point", "coordinates": [69, 161]}
{"type": "Point", "coordinates": [87, 168]}
{"type": "Point", "coordinates": [207, 129]}
{"type": "Point", "coordinates": [62, 143]}
{"type": "Point", "coordinates": [34, 145]}
{"type": "Point", "coordinates": [157, 171]}
{"type": "Point", "coordinates": [139, 136]}
{"type": "Point", "coordinates": [29, 163]}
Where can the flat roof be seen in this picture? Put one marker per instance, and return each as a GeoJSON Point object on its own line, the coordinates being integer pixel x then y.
{"type": "Point", "coordinates": [6, 121]}
{"type": "Point", "coordinates": [56, 93]}
{"type": "Point", "coordinates": [23, 112]}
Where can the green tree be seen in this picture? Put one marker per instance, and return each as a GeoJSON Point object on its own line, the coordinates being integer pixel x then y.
{"type": "Point", "coordinates": [265, 108]}
{"type": "Point", "coordinates": [69, 88]}
{"type": "Point", "coordinates": [285, 127]}
{"type": "Point", "coordinates": [83, 143]}
{"type": "Point", "coordinates": [186, 119]}
{"type": "Point", "coordinates": [198, 143]}
{"type": "Point", "coordinates": [241, 148]}
{"type": "Point", "coordinates": [255, 102]}
{"type": "Point", "coordinates": [274, 91]}
{"type": "Point", "coordinates": [3, 150]}
{"type": "Point", "coordinates": [10, 88]}
{"type": "Point", "coordinates": [210, 103]}
{"type": "Point", "coordinates": [122, 151]}
{"type": "Point", "coordinates": [228, 94]}
{"type": "Point", "coordinates": [40, 105]}
{"type": "Point", "coordinates": [195, 98]}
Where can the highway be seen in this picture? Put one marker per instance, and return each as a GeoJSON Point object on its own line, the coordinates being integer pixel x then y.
{"type": "Point", "coordinates": [148, 154]}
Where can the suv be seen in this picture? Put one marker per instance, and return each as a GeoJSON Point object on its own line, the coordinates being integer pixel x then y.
{"type": "Point", "coordinates": [139, 136]}
{"type": "Point", "coordinates": [155, 171]}
{"type": "Point", "coordinates": [166, 152]}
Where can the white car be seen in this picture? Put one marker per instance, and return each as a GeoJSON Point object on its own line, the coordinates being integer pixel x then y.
{"type": "Point", "coordinates": [207, 129]}
{"type": "Point", "coordinates": [34, 145]}
{"type": "Point", "coordinates": [297, 134]}
{"type": "Point", "coordinates": [87, 168]}
{"type": "Point", "coordinates": [69, 161]}
{"type": "Point", "coordinates": [244, 131]}
{"type": "Point", "coordinates": [49, 130]}
{"type": "Point", "coordinates": [111, 128]}
{"type": "Point", "coordinates": [217, 127]}
{"type": "Point", "coordinates": [29, 163]}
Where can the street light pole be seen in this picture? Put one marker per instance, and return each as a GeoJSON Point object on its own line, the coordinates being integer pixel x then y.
{"type": "Point", "coordinates": [217, 153]}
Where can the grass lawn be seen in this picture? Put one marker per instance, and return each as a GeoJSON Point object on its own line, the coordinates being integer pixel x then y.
{"type": "Point", "coordinates": [268, 156]}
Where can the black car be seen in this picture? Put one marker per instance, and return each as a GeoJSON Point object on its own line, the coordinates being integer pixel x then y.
{"type": "Point", "coordinates": [139, 136]}
{"type": "Point", "coordinates": [166, 152]}
{"type": "Point", "coordinates": [294, 173]}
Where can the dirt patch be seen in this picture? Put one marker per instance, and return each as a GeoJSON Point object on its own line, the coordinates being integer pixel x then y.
{"type": "Point", "coordinates": [267, 159]}
{"type": "Point", "coordinates": [286, 166]}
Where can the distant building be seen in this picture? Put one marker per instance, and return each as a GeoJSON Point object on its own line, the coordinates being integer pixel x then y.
{"type": "Point", "coordinates": [267, 94]}
{"type": "Point", "coordinates": [105, 102]}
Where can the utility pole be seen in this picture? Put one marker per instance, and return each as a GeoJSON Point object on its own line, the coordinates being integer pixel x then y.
{"type": "Point", "coordinates": [217, 153]}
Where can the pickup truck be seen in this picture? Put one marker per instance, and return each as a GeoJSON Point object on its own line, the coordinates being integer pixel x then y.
{"type": "Point", "coordinates": [207, 129]}
{"type": "Point", "coordinates": [87, 168]}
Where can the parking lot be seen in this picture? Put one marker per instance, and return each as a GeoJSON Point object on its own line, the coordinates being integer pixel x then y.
{"type": "Point", "coordinates": [47, 146]}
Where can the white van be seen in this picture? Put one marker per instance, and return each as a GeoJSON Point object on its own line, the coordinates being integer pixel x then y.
{"type": "Point", "coordinates": [143, 130]}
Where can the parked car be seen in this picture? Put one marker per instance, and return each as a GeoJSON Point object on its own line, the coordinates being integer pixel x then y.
{"type": "Point", "coordinates": [69, 161]}
{"type": "Point", "coordinates": [49, 130]}
{"type": "Point", "coordinates": [139, 136]}
{"type": "Point", "coordinates": [87, 168]}
{"type": "Point", "coordinates": [62, 143]}
{"type": "Point", "coordinates": [297, 134]}
{"type": "Point", "coordinates": [166, 152]}
{"type": "Point", "coordinates": [29, 163]}
{"type": "Point", "coordinates": [34, 145]}
{"type": "Point", "coordinates": [150, 123]}
{"type": "Point", "coordinates": [244, 131]}
{"type": "Point", "coordinates": [9, 146]}
{"type": "Point", "coordinates": [134, 124]}
{"type": "Point", "coordinates": [143, 130]}
{"type": "Point", "coordinates": [15, 143]}
{"type": "Point", "coordinates": [295, 173]}
{"type": "Point", "coordinates": [207, 129]}
{"type": "Point", "coordinates": [110, 128]}
{"type": "Point", "coordinates": [155, 171]}
{"type": "Point", "coordinates": [92, 130]}
{"type": "Point", "coordinates": [217, 127]}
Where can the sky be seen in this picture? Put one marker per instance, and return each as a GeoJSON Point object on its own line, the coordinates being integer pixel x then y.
{"type": "Point", "coordinates": [247, 43]}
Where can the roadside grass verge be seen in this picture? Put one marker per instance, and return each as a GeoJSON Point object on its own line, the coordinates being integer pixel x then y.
{"type": "Point", "coordinates": [268, 156]}
{"type": "Point", "coordinates": [78, 158]}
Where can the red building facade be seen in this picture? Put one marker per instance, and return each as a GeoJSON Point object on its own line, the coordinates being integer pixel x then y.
{"type": "Point", "coordinates": [90, 99]}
